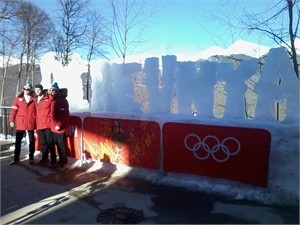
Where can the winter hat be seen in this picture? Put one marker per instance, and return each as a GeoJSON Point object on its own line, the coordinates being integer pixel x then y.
{"type": "Point", "coordinates": [28, 86]}
{"type": "Point", "coordinates": [54, 86]}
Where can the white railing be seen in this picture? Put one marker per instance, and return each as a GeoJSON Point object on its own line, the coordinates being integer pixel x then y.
{"type": "Point", "coordinates": [6, 131]}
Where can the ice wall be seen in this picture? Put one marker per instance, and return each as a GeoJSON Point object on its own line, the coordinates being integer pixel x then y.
{"type": "Point", "coordinates": [152, 82]}
{"type": "Point", "coordinates": [204, 93]}
{"type": "Point", "coordinates": [67, 77]}
{"type": "Point", "coordinates": [192, 85]}
{"type": "Point", "coordinates": [235, 85]}
{"type": "Point", "coordinates": [278, 83]}
{"type": "Point", "coordinates": [188, 85]}
{"type": "Point", "coordinates": [113, 88]}
{"type": "Point", "coordinates": [169, 68]}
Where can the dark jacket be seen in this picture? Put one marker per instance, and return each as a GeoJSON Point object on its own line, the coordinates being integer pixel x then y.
{"type": "Point", "coordinates": [60, 114]}
{"type": "Point", "coordinates": [43, 113]}
{"type": "Point", "coordinates": [23, 113]}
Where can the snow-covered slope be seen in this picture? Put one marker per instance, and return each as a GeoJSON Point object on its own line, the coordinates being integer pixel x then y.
{"type": "Point", "coordinates": [239, 47]}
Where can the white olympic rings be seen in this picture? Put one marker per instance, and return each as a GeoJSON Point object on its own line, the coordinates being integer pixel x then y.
{"type": "Point", "coordinates": [212, 150]}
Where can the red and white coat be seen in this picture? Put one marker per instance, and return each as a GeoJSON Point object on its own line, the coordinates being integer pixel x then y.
{"type": "Point", "coordinates": [23, 114]}
{"type": "Point", "coordinates": [43, 113]}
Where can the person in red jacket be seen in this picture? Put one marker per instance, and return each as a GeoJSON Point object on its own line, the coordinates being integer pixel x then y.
{"type": "Point", "coordinates": [23, 116]}
{"type": "Point", "coordinates": [60, 117]}
{"type": "Point", "coordinates": [43, 124]}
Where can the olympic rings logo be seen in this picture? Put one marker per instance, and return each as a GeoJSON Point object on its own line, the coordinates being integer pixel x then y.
{"type": "Point", "coordinates": [212, 146]}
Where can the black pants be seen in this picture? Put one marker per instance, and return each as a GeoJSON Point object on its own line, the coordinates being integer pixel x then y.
{"type": "Point", "coordinates": [59, 140]}
{"type": "Point", "coordinates": [46, 140]}
{"type": "Point", "coordinates": [19, 136]}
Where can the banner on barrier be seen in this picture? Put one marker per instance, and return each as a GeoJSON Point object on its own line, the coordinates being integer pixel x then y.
{"type": "Point", "coordinates": [129, 142]}
{"type": "Point", "coordinates": [232, 153]}
{"type": "Point", "coordinates": [74, 137]}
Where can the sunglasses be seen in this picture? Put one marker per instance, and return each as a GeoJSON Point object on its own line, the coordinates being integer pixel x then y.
{"type": "Point", "coordinates": [27, 89]}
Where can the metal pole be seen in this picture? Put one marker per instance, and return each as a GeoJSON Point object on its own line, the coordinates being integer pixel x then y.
{"type": "Point", "coordinates": [6, 130]}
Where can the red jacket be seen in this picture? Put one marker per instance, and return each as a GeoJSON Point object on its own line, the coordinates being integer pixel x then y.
{"type": "Point", "coordinates": [60, 114]}
{"type": "Point", "coordinates": [43, 110]}
{"type": "Point", "coordinates": [23, 113]}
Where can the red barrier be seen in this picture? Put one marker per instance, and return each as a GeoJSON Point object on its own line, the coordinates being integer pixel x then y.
{"type": "Point", "coordinates": [233, 153]}
{"type": "Point", "coordinates": [129, 142]}
{"type": "Point", "coordinates": [37, 143]}
{"type": "Point", "coordinates": [74, 137]}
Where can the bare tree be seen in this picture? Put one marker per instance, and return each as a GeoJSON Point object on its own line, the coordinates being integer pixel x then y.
{"type": "Point", "coordinates": [293, 33]}
{"type": "Point", "coordinates": [96, 38]}
{"type": "Point", "coordinates": [128, 22]}
{"type": "Point", "coordinates": [35, 27]}
{"type": "Point", "coordinates": [43, 28]}
{"type": "Point", "coordinates": [286, 33]}
{"type": "Point", "coordinates": [73, 26]}
{"type": "Point", "coordinates": [6, 9]}
{"type": "Point", "coordinates": [10, 38]}
{"type": "Point", "coordinates": [24, 30]}
{"type": "Point", "coordinates": [8, 46]}
{"type": "Point", "coordinates": [6, 16]}
{"type": "Point", "coordinates": [97, 42]}
{"type": "Point", "coordinates": [277, 22]}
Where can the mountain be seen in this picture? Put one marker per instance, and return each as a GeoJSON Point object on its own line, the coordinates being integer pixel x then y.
{"type": "Point", "coordinates": [212, 51]}
{"type": "Point", "coordinates": [247, 48]}
{"type": "Point", "coordinates": [240, 47]}
{"type": "Point", "coordinates": [10, 87]}
{"type": "Point", "coordinates": [12, 61]}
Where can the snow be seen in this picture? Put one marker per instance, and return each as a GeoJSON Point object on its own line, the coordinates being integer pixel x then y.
{"type": "Point", "coordinates": [11, 61]}
{"type": "Point", "coordinates": [215, 50]}
{"type": "Point", "coordinates": [236, 85]}
{"type": "Point", "coordinates": [69, 76]}
{"type": "Point", "coordinates": [238, 47]}
{"type": "Point", "coordinates": [241, 46]}
{"type": "Point", "coordinates": [193, 83]}
{"type": "Point", "coordinates": [279, 81]}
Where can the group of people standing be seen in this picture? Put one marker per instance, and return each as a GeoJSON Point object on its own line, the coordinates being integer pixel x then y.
{"type": "Point", "coordinates": [44, 111]}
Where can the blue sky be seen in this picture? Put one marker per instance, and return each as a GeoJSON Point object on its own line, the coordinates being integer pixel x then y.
{"type": "Point", "coordinates": [189, 26]}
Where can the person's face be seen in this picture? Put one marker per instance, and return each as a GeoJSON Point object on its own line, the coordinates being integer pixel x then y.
{"type": "Point", "coordinates": [38, 91]}
{"type": "Point", "coordinates": [53, 92]}
{"type": "Point", "coordinates": [27, 91]}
